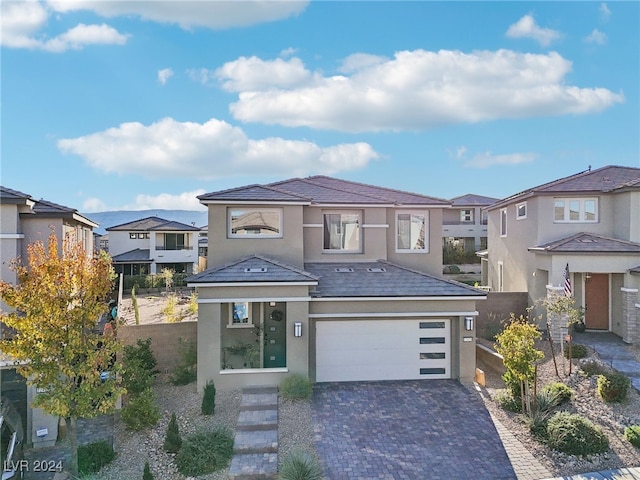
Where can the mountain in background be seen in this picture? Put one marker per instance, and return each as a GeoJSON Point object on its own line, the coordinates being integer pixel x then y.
{"type": "Point", "coordinates": [197, 218]}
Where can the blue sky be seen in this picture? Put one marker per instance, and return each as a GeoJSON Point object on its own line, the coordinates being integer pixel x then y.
{"type": "Point", "coordinates": [144, 105]}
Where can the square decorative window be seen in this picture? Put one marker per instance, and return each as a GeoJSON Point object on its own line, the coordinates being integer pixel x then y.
{"type": "Point", "coordinates": [255, 223]}
{"type": "Point", "coordinates": [133, 236]}
{"type": "Point", "coordinates": [341, 232]}
{"type": "Point", "coordinates": [503, 222]}
{"type": "Point", "coordinates": [466, 215]}
{"type": "Point", "coordinates": [240, 315]}
{"type": "Point", "coordinates": [141, 235]}
{"type": "Point", "coordinates": [575, 210]}
{"type": "Point", "coordinates": [411, 232]}
{"type": "Point", "coordinates": [521, 211]}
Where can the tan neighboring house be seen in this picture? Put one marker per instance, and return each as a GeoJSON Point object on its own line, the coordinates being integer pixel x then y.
{"type": "Point", "coordinates": [588, 222]}
{"type": "Point", "coordinates": [25, 220]}
{"type": "Point", "coordinates": [331, 279]}
{"type": "Point", "coordinates": [465, 224]}
{"type": "Point", "coordinates": [149, 245]}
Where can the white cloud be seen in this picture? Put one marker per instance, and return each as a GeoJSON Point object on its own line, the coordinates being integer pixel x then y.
{"type": "Point", "coordinates": [605, 13]}
{"type": "Point", "coordinates": [209, 14]}
{"type": "Point", "coordinates": [94, 205]}
{"type": "Point", "coordinates": [487, 159]}
{"type": "Point", "coordinates": [213, 149]}
{"type": "Point", "coordinates": [287, 52]}
{"type": "Point", "coordinates": [167, 201]}
{"type": "Point", "coordinates": [360, 61]}
{"type": "Point", "coordinates": [596, 36]}
{"type": "Point", "coordinates": [461, 152]}
{"type": "Point", "coordinates": [164, 75]}
{"type": "Point", "coordinates": [415, 90]}
{"type": "Point", "coordinates": [526, 27]}
{"type": "Point", "coordinates": [202, 75]}
{"type": "Point", "coordinates": [22, 22]}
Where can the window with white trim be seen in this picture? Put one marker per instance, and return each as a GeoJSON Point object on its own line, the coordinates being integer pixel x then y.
{"type": "Point", "coordinates": [412, 231]}
{"type": "Point", "coordinates": [578, 210]}
{"type": "Point", "coordinates": [255, 222]}
{"type": "Point", "coordinates": [240, 315]}
{"type": "Point", "coordinates": [503, 222]}
{"type": "Point", "coordinates": [341, 231]}
{"type": "Point", "coordinates": [466, 215]}
{"type": "Point", "coordinates": [521, 211]}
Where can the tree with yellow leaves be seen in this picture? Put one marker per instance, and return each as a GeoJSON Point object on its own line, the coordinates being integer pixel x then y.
{"type": "Point", "coordinates": [57, 304]}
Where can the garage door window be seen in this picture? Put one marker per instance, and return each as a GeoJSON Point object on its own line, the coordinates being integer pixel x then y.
{"type": "Point", "coordinates": [431, 324]}
{"type": "Point", "coordinates": [432, 371]}
{"type": "Point", "coordinates": [433, 356]}
{"type": "Point", "coordinates": [431, 340]}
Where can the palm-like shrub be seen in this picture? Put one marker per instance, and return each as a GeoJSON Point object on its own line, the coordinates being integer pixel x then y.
{"type": "Point", "coordinates": [300, 465]}
{"type": "Point", "coordinates": [561, 391]}
{"type": "Point", "coordinates": [205, 452]}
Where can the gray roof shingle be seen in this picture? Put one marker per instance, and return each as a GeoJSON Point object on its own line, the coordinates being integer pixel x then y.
{"type": "Point", "coordinates": [471, 199]}
{"type": "Point", "coordinates": [139, 255]}
{"type": "Point", "coordinates": [260, 193]}
{"type": "Point", "coordinates": [587, 243]}
{"type": "Point", "coordinates": [153, 224]}
{"type": "Point", "coordinates": [8, 195]}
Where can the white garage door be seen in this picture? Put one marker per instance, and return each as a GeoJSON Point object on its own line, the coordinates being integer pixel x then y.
{"type": "Point", "coordinates": [356, 350]}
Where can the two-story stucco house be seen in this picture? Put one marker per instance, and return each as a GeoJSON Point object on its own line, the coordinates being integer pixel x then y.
{"type": "Point", "coordinates": [588, 222]}
{"type": "Point", "coordinates": [331, 279]}
{"type": "Point", "coordinates": [149, 245]}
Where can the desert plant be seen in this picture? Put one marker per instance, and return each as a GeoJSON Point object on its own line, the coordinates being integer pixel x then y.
{"type": "Point", "coordinates": [134, 302]}
{"type": "Point", "coordinates": [613, 386]}
{"type": "Point", "coordinates": [205, 452]}
{"type": "Point", "coordinates": [135, 377]}
{"type": "Point", "coordinates": [193, 303]}
{"type": "Point", "coordinates": [632, 434]}
{"type": "Point", "coordinates": [504, 397]}
{"type": "Point", "coordinates": [575, 435]}
{"type": "Point", "coordinates": [561, 391]}
{"type": "Point", "coordinates": [167, 275]}
{"type": "Point", "coordinates": [186, 371]}
{"type": "Point", "coordinates": [141, 351]}
{"type": "Point", "coordinates": [577, 351]}
{"type": "Point", "coordinates": [172, 439]}
{"type": "Point", "coordinates": [300, 465]}
{"type": "Point", "coordinates": [295, 387]}
{"type": "Point", "coordinates": [593, 367]}
{"type": "Point", "coordinates": [141, 411]}
{"type": "Point", "coordinates": [209, 399]}
{"type": "Point", "coordinates": [169, 309]}
{"type": "Point", "coordinates": [146, 473]}
{"type": "Point", "coordinates": [92, 457]}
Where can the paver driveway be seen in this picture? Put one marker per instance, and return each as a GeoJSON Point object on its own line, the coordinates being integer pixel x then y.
{"type": "Point", "coordinates": [425, 430]}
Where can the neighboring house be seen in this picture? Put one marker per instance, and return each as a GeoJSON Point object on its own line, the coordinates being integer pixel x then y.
{"type": "Point", "coordinates": [203, 248]}
{"type": "Point", "coordinates": [331, 279]}
{"type": "Point", "coordinates": [149, 245]}
{"type": "Point", "coordinates": [26, 220]}
{"type": "Point", "coordinates": [588, 222]}
{"type": "Point", "coordinates": [464, 227]}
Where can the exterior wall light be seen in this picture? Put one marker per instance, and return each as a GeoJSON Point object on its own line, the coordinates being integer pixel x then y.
{"type": "Point", "coordinates": [468, 323]}
{"type": "Point", "coordinates": [297, 329]}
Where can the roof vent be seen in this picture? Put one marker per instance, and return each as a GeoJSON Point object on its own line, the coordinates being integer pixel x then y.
{"type": "Point", "coordinates": [588, 240]}
{"type": "Point", "coordinates": [376, 269]}
{"type": "Point", "coordinates": [255, 270]}
{"type": "Point", "coordinates": [344, 269]}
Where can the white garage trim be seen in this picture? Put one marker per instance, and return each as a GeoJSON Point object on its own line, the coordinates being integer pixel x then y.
{"type": "Point", "coordinates": [384, 349]}
{"type": "Point", "coordinates": [393, 315]}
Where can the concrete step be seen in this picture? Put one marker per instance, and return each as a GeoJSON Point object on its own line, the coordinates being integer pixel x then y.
{"type": "Point", "coordinates": [260, 389]}
{"type": "Point", "coordinates": [256, 441]}
{"type": "Point", "coordinates": [258, 420]}
{"type": "Point", "coordinates": [254, 466]}
{"type": "Point", "coordinates": [259, 401]}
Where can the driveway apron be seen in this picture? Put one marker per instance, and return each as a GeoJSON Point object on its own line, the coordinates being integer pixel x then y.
{"type": "Point", "coordinates": [434, 429]}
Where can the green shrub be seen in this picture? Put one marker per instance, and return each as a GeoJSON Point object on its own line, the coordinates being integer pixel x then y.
{"type": "Point", "coordinates": [135, 377]}
{"type": "Point", "coordinates": [575, 435]}
{"type": "Point", "coordinates": [172, 439]}
{"type": "Point", "coordinates": [296, 387]}
{"type": "Point", "coordinates": [205, 452]}
{"type": "Point", "coordinates": [561, 391]}
{"type": "Point", "coordinates": [577, 351]}
{"type": "Point", "coordinates": [300, 465]}
{"type": "Point", "coordinates": [94, 456]}
{"type": "Point", "coordinates": [505, 399]}
{"type": "Point", "coordinates": [593, 367]}
{"type": "Point", "coordinates": [141, 411]}
{"type": "Point", "coordinates": [142, 353]}
{"type": "Point", "coordinates": [146, 474]}
{"type": "Point", "coordinates": [613, 387]}
{"type": "Point", "coordinates": [209, 399]}
{"type": "Point", "coordinates": [187, 371]}
{"type": "Point", "coordinates": [633, 435]}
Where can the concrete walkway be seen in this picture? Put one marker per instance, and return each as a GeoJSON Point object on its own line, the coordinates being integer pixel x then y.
{"type": "Point", "coordinates": [614, 352]}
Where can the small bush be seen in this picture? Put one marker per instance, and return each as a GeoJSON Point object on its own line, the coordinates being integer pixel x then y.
{"type": "Point", "coordinates": [300, 465]}
{"type": "Point", "coordinates": [577, 351]}
{"type": "Point", "coordinates": [561, 391]}
{"type": "Point", "coordinates": [186, 371]}
{"type": "Point", "coordinates": [94, 456]}
{"type": "Point", "coordinates": [613, 387]}
{"type": "Point", "coordinates": [172, 439]}
{"type": "Point", "coordinates": [296, 387]}
{"type": "Point", "coordinates": [575, 435]}
{"type": "Point", "coordinates": [169, 309]}
{"type": "Point", "coordinates": [593, 367]}
{"type": "Point", "coordinates": [633, 435]}
{"type": "Point", "coordinates": [141, 352]}
{"type": "Point", "coordinates": [135, 377]}
{"type": "Point", "coordinates": [205, 452]}
{"type": "Point", "coordinates": [146, 474]}
{"type": "Point", "coordinates": [209, 399]}
{"type": "Point", "coordinates": [505, 399]}
{"type": "Point", "coordinates": [141, 411]}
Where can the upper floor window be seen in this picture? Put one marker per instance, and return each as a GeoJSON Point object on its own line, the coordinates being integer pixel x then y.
{"type": "Point", "coordinates": [341, 232]}
{"type": "Point", "coordinates": [172, 241]}
{"type": "Point", "coordinates": [521, 211]}
{"type": "Point", "coordinates": [466, 215]}
{"type": "Point", "coordinates": [255, 222]}
{"type": "Point", "coordinates": [503, 222]}
{"type": "Point", "coordinates": [411, 231]}
{"type": "Point", "coordinates": [141, 235]}
{"type": "Point", "coordinates": [581, 210]}
{"type": "Point", "coordinates": [484, 218]}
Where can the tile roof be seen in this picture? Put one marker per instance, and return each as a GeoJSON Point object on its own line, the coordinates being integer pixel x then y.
{"type": "Point", "coordinates": [472, 199]}
{"type": "Point", "coordinates": [587, 243]}
{"type": "Point", "coordinates": [321, 189]}
{"type": "Point", "coordinates": [382, 279]}
{"type": "Point", "coordinates": [255, 268]}
{"type": "Point", "coordinates": [138, 255]}
{"type": "Point", "coordinates": [635, 270]}
{"type": "Point", "coordinates": [153, 224]}
{"type": "Point", "coordinates": [8, 195]}
{"type": "Point", "coordinates": [602, 180]}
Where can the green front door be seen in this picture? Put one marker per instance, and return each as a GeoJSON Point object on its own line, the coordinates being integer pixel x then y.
{"type": "Point", "coordinates": [275, 335]}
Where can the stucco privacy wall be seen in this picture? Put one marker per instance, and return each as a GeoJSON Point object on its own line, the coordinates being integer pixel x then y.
{"type": "Point", "coordinates": [165, 343]}
{"type": "Point", "coordinates": [501, 305]}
